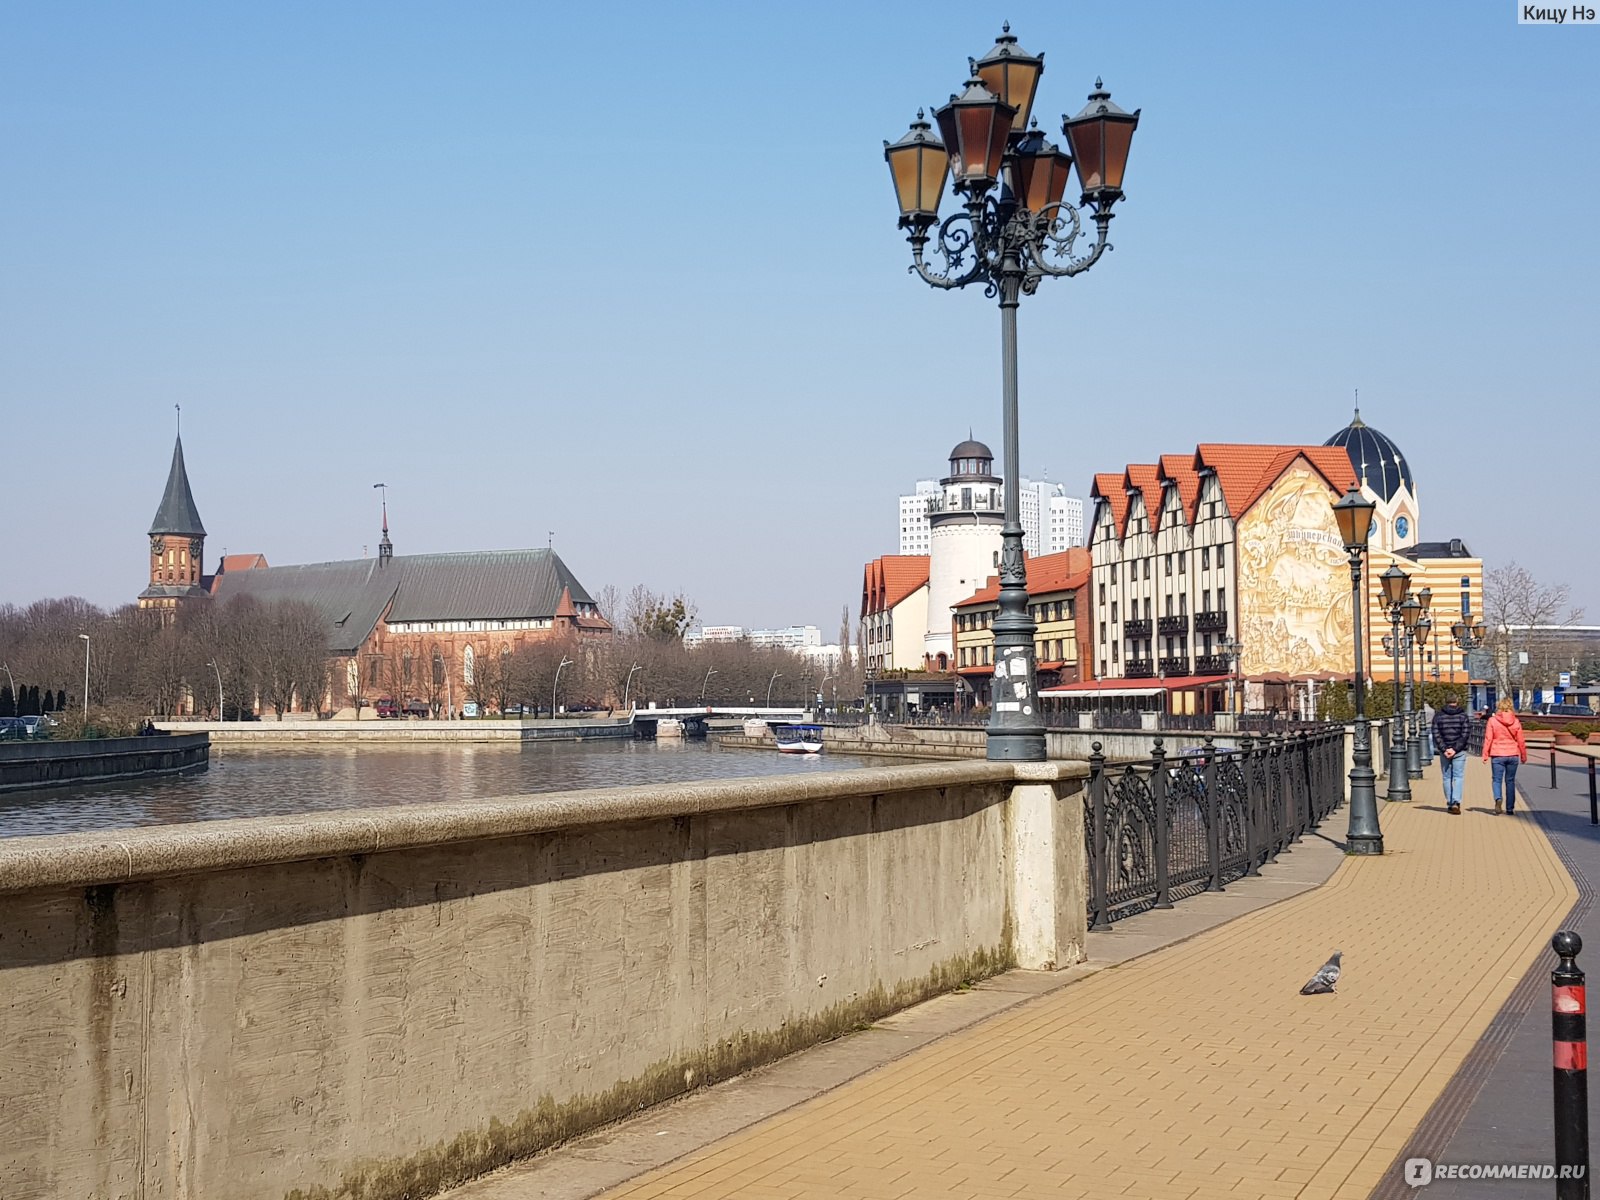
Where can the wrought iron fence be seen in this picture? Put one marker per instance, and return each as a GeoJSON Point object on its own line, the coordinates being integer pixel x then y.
{"type": "Point", "coordinates": [1167, 827]}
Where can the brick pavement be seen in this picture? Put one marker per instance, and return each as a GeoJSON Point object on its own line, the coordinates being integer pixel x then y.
{"type": "Point", "coordinates": [1197, 1071]}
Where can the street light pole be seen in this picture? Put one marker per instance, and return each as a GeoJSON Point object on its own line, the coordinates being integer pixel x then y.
{"type": "Point", "coordinates": [775, 677]}
{"type": "Point", "coordinates": [565, 662]}
{"type": "Point", "coordinates": [85, 638]}
{"type": "Point", "coordinates": [218, 670]}
{"type": "Point", "coordinates": [710, 671]}
{"type": "Point", "coordinates": [1396, 587]}
{"type": "Point", "coordinates": [628, 684]}
{"type": "Point", "coordinates": [1424, 734]}
{"type": "Point", "coordinates": [1011, 231]}
{"type": "Point", "coordinates": [1364, 835]}
{"type": "Point", "coordinates": [1411, 613]}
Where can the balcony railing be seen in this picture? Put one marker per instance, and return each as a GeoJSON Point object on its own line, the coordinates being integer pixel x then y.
{"type": "Point", "coordinates": [1140, 668]}
{"type": "Point", "coordinates": [1136, 629]}
{"type": "Point", "coordinates": [1172, 625]}
{"type": "Point", "coordinates": [1211, 621]}
{"type": "Point", "coordinates": [977, 502]}
{"type": "Point", "coordinates": [1211, 664]}
{"type": "Point", "coordinates": [1174, 666]}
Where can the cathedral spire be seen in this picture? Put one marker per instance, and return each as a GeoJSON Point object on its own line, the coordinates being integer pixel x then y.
{"type": "Point", "coordinates": [178, 514]}
{"type": "Point", "coordinates": [385, 546]}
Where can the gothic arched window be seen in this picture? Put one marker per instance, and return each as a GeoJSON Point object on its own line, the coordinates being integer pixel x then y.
{"type": "Point", "coordinates": [466, 666]}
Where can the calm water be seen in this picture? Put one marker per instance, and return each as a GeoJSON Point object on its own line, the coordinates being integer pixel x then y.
{"type": "Point", "coordinates": [273, 781]}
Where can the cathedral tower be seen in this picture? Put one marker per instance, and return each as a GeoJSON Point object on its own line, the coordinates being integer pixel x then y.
{"type": "Point", "coordinates": [177, 544]}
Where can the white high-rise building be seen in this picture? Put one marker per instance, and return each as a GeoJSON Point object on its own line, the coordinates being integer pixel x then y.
{"type": "Point", "coordinates": [1052, 521]}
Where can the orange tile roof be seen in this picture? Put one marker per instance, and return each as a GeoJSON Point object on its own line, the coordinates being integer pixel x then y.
{"type": "Point", "coordinates": [1179, 469]}
{"type": "Point", "coordinates": [890, 579]}
{"type": "Point", "coordinates": [564, 606]}
{"type": "Point", "coordinates": [1246, 472]}
{"type": "Point", "coordinates": [241, 562]}
{"type": "Point", "coordinates": [1147, 478]}
{"type": "Point", "coordinates": [1048, 573]}
{"type": "Point", "coordinates": [1112, 490]}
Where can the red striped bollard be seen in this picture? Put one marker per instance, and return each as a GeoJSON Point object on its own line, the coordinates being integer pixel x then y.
{"type": "Point", "coordinates": [1570, 1041]}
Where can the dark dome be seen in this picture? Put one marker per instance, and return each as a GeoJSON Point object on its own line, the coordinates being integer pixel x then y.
{"type": "Point", "coordinates": [1377, 461]}
{"type": "Point", "coordinates": [972, 449]}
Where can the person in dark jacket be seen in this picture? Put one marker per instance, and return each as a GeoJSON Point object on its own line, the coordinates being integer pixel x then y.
{"type": "Point", "coordinates": [1452, 727]}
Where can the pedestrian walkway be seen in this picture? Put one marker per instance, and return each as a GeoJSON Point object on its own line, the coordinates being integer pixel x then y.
{"type": "Point", "coordinates": [1196, 1071]}
{"type": "Point", "coordinates": [1502, 1109]}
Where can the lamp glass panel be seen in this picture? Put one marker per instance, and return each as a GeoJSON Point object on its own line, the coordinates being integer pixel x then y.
{"type": "Point", "coordinates": [1015, 82]}
{"type": "Point", "coordinates": [903, 166]}
{"type": "Point", "coordinates": [999, 139]}
{"type": "Point", "coordinates": [935, 167]}
{"type": "Point", "coordinates": [1060, 173]}
{"type": "Point", "coordinates": [973, 124]}
{"type": "Point", "coordinates": [1396, 583]}
{"type": "Point", "coordinates": [950, 134]}
{"type": "Point", "coordinates": [1088, 147]}
{"type": "Point", "coordinates": [1458, 630]}
{"type": "Point", "coordinates": [1118, 137]}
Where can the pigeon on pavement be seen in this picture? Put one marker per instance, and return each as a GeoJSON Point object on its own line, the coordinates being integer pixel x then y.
{"type": "Point", "coordinates": [1325, 979]}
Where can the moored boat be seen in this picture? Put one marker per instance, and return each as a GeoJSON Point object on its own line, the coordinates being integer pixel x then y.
{"type": "Point", "coordinates": [799, 739]}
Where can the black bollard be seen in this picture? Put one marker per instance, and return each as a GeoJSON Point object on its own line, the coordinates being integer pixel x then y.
{"type": "Point", "coordinates": [1552, 768]}
{"type": "Point", "coordinates": [1594, 799]}
{"type": "Point", "coordinates": [1570, 1045]}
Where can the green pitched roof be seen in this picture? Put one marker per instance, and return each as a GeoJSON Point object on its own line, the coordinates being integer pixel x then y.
{"type": "Point", "coordinates": [177, 513]}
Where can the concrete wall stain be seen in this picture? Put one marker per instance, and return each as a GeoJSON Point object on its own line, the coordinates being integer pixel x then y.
{"type": "Point", "coordinates": [547, 1124]}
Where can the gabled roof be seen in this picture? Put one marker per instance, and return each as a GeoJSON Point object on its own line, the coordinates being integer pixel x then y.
{"type": "Point", "coordinates": [353, 595]}
{"type": "Point", "coordinates": [1245, 472]}
{"type": "Point", "coordinates": [890, 579]}
{"type": "Point", "coordinates": [1112, 489]}
{"type": "Point", "coordinates": [1146, 477]}
{"type": "Point", "coordinates": [1059, 572]}
{"type": "Point", "coordinates": [177, 514]}
{"type": "Point", "coordinates": [1178, 469]}
{"type": "Point", "coordinates": [241, 562]}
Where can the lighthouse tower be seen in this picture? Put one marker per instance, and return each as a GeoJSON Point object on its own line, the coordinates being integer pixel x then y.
{"type": "Point", "coordinates": [964, 520]}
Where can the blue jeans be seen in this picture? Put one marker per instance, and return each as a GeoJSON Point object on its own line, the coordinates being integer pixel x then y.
{"type": "Point", "coordinates": [1505, 768]}
{"type": "Point", "coordinates": [1453, 772]}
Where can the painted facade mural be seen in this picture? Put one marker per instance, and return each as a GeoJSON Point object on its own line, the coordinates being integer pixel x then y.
{"type": "Point", "coordinates": [1294, 581]}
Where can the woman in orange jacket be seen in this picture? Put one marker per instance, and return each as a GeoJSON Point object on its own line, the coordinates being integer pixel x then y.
{"type": "Point", "coordinates": [1504, 748]}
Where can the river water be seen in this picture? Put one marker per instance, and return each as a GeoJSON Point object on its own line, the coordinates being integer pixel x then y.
{"type": "Point", "coordinates": [269, 781]}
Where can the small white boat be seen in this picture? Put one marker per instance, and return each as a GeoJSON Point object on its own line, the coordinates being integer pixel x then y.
{"type": "Point", "coordinates": [668, 727]}
{"type": "Point", "coordinates": [799, 739]}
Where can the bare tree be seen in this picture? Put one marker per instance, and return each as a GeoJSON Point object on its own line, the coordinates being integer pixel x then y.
{"type": "Point", "coordinates": [1522, 618]}
{"type": "Point", "coordinates": [657, 616]}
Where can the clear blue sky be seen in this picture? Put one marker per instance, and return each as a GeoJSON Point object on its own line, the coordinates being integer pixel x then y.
{"type": "Point", "coordinates": [630, 273]}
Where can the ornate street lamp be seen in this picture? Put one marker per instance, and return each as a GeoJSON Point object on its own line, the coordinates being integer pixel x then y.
{"type": "Point", "coordinates": [1396, 585]}
{"type": "Point", "coordinates": [1234, 649]}
{"type": "Point", "coordinates": [1411, 614]}
{"type": "Point", "coordinates": [1363, 836]}
{"type": "Point", "coordinates": [1012, 230]}
{"type": "Point", "coordinates": [1424, 734]}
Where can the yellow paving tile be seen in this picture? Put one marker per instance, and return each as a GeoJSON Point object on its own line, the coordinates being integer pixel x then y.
{"type": "Point", "coordinates": [1197, 1071]}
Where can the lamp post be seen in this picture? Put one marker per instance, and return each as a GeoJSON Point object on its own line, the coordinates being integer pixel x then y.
{"type": "Point", "coordinates": [1363, 835]}
{"type": "Point", "coordinates": [213, 665]}
{"type": "Point", "coordinates": [10, 681]}
{"type": "Point", "coordinates": [1467, 635]}
{"type": "Point", "coordinates": [775, 677]}
{"type": "Point", "coordinates": [1411, 613]}
{"type": "Point", "coordinates": [710, 671]}
{"type": "Point", "coordinates": [565, 662]}
{"type": "Point", "coordinates": [85, 638]}
{"type": "Point", "coordinates": [1012, 229]}
{"type": "Point", "coordinates": [833, 675]}
{"type": "Point", "coordinates": [1396, 586]}
{"type": "Point", "coordinates": [1424, 733]}
{"type": "Point", "coordinates": [631, 672]}
{"type": "Point", "coordinates": [1234, 649]}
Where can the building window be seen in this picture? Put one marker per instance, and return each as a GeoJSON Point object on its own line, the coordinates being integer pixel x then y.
{"type": "Point", "coordinates": [1102, 633]}
{"type": "Point", "coordinates": [405, 669]}
{"type": "Point", "coordinates": [1114, 656]}
{"type": "Point", "coordinates": [1102, 593]}
{"type": "Point", "coordinates": [1113, 612]}
{"type": "Point", "coordinates": [466, 666]}
{"type": "Point", "coordinates": [1183, 604]}
{"type": "Point", "coordinates": [1222, 599]}
{"type": "Point", "coordinates": [372, 671]}
{"type": "Point", "coordinates": [1183, 563]}
{"type": "Point", "coordinates": [1206, 606]}
{"type": "Point", "coordinates": [1219, 558]}
{"type": "Point", "coordinates": [1147, 568]}
{"type": "Point", "coordinates": [1205, 558]}
{"type": "Point", "coordinates": [1168, 561]}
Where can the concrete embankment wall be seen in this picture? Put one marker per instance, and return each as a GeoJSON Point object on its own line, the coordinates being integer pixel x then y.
{"type": "Point", "coordinates": [385, 1002]}
{"type": "Point", "coordinates": [28, 765]}
{"type": "Point", "coordinates": [941, 742]}
{"type": "Point", "coordinates": [300, 733]}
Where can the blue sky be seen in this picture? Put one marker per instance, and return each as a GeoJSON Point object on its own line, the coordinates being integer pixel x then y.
{"type": "Point", "coordinates": [630, 274]}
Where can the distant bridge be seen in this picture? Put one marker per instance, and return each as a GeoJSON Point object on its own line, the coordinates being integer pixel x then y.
{"type": "Point", "coordinates": [722, 710]}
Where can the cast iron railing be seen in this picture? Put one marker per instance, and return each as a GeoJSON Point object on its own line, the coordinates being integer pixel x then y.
{"type": "Point", "coordinates": [1167, 827]}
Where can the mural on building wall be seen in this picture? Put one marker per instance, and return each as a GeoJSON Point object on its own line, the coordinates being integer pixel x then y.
{"type": "Point", "coordinates": [1294, 581]}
